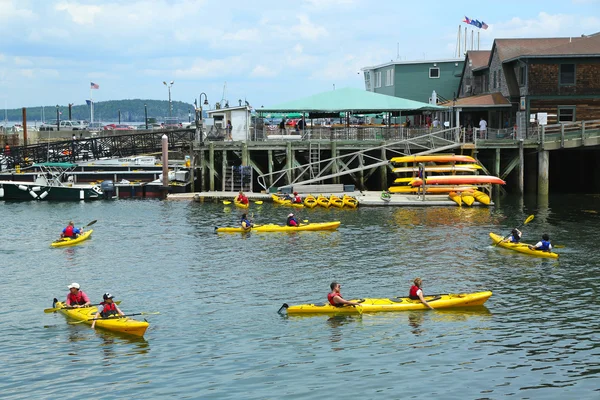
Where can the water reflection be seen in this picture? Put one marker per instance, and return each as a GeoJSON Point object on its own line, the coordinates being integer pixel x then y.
{"type": "Point", "coordinates": [335, 322]}
{"type": "Point", "coordinates": [113, 342]}
{"type": "Point", "coordinates": [415, 320]}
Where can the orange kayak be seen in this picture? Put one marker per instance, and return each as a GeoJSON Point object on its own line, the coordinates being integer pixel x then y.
{"type": "Point", "coordinates": [459, 180]}
{"type": "Point", "coordinates": [433, 158]}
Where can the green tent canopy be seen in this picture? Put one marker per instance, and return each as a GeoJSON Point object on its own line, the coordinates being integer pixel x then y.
{"type": "Point", "coordinates": [356, 101]}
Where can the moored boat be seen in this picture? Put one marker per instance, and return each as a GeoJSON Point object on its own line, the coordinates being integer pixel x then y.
{"type": "Point", "coordinates": [434, 158]}
{"type": "Point", "coordinates": [335, 201]}
{"type": "Point", "coordinates": [467, 197]}
{"type": "Point", "coordinates": [310, 201]}
{"type": "Point", "coordinates": [312, 226]}
{"type": "Point", "coordinates": [481, 197]}
{"type": "Point", "coordinates": [459, 180]}
{"type": "Point", "coordinates": [455, 197]}
{"type": "Point", "coordinates": [520, 247]}
{"type": "Point", "coordinates": [115, 324]}
{"type": "Point", "coordinates": [323, 201]}
{"type": "Point", "coordinates": [68, 241]}
{"type": "Point", "coordinates": [349, 201]}
{"type": "Point", "coordinates": [372, 305]}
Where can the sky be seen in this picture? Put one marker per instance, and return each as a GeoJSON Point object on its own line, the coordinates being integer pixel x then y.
{"type": "Point", "coordinates": [262, 51]}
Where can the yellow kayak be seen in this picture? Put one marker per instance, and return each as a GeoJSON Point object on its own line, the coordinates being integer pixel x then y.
{"type": "Point", "coordinates": [323, 201]}
{"type": "Point", "coordinates": [467, 198]}
{"type": "Point", "coordinates": [121, 324]}
{"type": "Point", "coordinates": [455, 197]}
{"type": "Point", "coordinates": [285, 202]}
{"type": "Point", "coordinates": [310, 201]}
{"type": "Point", "coordinates": [394, 304]}
{"type": "Point", "coordinates": [336, 201]}
{"type": "Point", "coordinates": [70, 241]}
{"type": "Point", "coordinates": [349, 201]}
{"type": "Point", "coordinates": [241, 205]}
{"type": "Point", "coordinates": [312, 226]}
{"type": "Point", "coordinates": [521, 247]}
{"type": "Point", "coordinates": [481, 197]}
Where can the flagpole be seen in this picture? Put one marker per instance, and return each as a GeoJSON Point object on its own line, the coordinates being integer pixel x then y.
{"type": "Point", "coordinates": [478, 39]}
{"type": "Point", "coordinates": [91, 106]}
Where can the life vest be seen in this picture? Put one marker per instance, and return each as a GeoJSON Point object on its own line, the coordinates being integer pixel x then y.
{"type": "Point", "coordinates": [297, 199]}
{"type": "Point", "coordinates": [69, 231]}
{"type": "Point", "coordinates": [545, 245]}
{"type": "Point", "coordinates": [514, 238]}
{"type": "Point", "coordinates": [76, 298]}
{"type": "Point", "coordinates": [248, 223]}
{"type": "Point", "coordinates": [413, 292]}
{"type": "Point", "coordinates": [108, 310]}
{"type": "Point", "coordinates": [291, 221]}
{"type": "Point", "coordinates": [330, 297]}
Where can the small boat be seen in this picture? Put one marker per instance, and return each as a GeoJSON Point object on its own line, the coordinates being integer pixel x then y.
{"type": "Point", "coordinates": [115, 324]}
{"type": "Point", "coordinates": [467, 197]}
{"type": "Point", "coordinates": [285, 202]}
{"type": "Point", "coordinates": [323, 201]}
{"type": "Point", "coordinates": [431, 189]}
{"type": "Point", "coordinates": [440, 168]}
{"type": "Point", "coordinates": [433, 158]}
{"type": "Point", "coordinates": [336, 201]}
{"type": "Point", "coordinates": [404, 180]}
{"type": "Point", "coordinates": [459, 180]}
{"type": "Point", "coordinates": [393, 304]}
{"type": "Point", "coordinates": [240, 204]}
{"type": "Point", "coordinates": [310, 201]}
{"type": "Point", "coordinates": [72, 241]}
{"type": "Point", "coordinates": [520, 247]}
{"type": "Point", "coordinates": [481, 197]}
{"type": "Point", "coordinates": [349, 201]}
{"type": "Point", "coordinates": [312, 226]}
{"type": "Point", "coordinates": [455, 197]}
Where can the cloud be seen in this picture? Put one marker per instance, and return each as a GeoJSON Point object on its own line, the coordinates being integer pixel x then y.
{"type": "Point", "coordinates": [38, 73]}
{"type": "Point", "coordinates": [544, 25]}
{"type": "Point", "coordinates": [206, 68]}
{"type": "Point", "coordinates": [260, 71]}
{"type": "Point", "coordinates": [321, 4]}
{"type": "Point", "coordinates": [243, 35]}
{"type": "Point", "coordinates": [81, 14]}
{"type": "Point", "coordinates": [305, 29]}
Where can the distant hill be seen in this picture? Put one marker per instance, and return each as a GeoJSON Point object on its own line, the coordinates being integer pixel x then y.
{"type": "Point", "coordinates": [131, 111]}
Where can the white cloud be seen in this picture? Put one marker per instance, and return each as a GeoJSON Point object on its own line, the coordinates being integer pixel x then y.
{"type": "Point", "coordinates": [544, 25]}
{"type": "Point", "coordinates": [38, 73]}
{"type": "Point", "coordinates": [320, 4]}
{"type": "Point", "coordinates": [260, 71]}
{"type": "Point", "coordinates": [22, 61]}
{"type": "Point", "coordinates": [245, 35]}
{"type": "Point", "coordinates": [205, 68]}
{"type": "Point", "coordinates": [305, 29]}
{"type": "Point", "coordinates": [81, 14]}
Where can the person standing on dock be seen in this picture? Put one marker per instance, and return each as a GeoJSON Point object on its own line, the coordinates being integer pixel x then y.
{"type": "Point", "coordinates": [416, 293]}
{"type": "Point", "coordinates": [76, 297]}
{"type": "Point", "coordinates": [282, 126]}
{"type": "Point", "coordinates": [245, 222]}
{"type": "Point", "coordinates": [229, 129]}
{"type": "Point", "coordinates": [335, 297]}
{"type": "Point", "coordinates": [482, 128]}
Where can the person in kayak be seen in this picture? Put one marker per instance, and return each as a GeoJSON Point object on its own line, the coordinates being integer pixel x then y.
{"type": "Point", "coordinates": [296, 198]}
{"type": "Point", "coordinates": [241, 198]}
{"type": "Point", "coordinates": [335, 297]}
{"type": "Point", "coordinates": [245, 222]}
{"type": "Point", "coordinates": [71, 231]}
{"type": "Point", "coordinates": [77, 297]}
{"type": "Point", "coordinates": [107, 308]}
{"type": "Point", "coordinates": [292, 221]}
{"type": "Point", "coordinates": [543, 245]}
{"type": "Point", "coordinates": [416, 292]}
{"type": "Point", "coordinates": [515, 236]}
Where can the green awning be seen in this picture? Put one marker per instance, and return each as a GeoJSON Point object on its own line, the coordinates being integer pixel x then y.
{"type": "Point", "coordinates": [356, 101]}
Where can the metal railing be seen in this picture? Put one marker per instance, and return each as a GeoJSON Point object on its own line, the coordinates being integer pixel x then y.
{"type": "Point", "coordinates": [340, 133]}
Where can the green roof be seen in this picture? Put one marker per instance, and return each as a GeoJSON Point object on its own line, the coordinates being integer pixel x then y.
{"type": "Point", "coordinates": [351, 100]}
{"type": "Point", "coordinates": [55, 165]}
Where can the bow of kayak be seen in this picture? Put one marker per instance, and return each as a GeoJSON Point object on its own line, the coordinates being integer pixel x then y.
{"type": "Point", "coordinates": [70, 241]}
{"type": "Point", "coordinates": [520, 247]}
{"type": "Point", "coordinates": [121, 324]}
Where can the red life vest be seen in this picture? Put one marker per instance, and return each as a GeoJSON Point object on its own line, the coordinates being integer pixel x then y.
{"type": "Point", "coordinates": [330, 297]}
{"type": "Point", "coordinates": [76, 298]}
{"type": "Point", "coordinates": [69, 231]}
{"type": "Point", "coordinates": [413, 292]}
{"type": "Point", "coordinates": [108, 310]}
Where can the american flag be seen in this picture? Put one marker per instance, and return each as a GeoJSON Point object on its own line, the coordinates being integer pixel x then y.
{"type": "Point", "coordinates": [94, 85]}
{"type": "Point", "coordinates": [484, 25]}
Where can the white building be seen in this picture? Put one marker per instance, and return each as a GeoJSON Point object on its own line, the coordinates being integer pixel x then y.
{"type": "Point", "coordinates": [240, 121]}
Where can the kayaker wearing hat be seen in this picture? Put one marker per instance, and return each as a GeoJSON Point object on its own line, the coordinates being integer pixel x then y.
{"type": "Point", "coordinates": [71, 231]}
{"type": "Point", "coordinates": [416, 293]}
{"type": "Point", "coordinates": [291, 220]}
{"type": "Point", "coordinates": [76, 297]}
{"type": "Point", "coordinates": [296, 198]}
{"type": "Point", "coordinates": [107, 308]}
{"type": "Point", "coordinates": [335, 297]}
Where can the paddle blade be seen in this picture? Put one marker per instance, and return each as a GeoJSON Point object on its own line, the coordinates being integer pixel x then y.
{"type": "Point", "coordinates": [91, 223]}
{"type": "Point", "coordinates": [258, 202]}
{"type": "Point", "coordinates": [226, 202]}
{"type": "Point", "coordinates": [528, 220]}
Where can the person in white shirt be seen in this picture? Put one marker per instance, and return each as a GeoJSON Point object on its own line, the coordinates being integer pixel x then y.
{"type": "Point", "coordinates": [436, 122]}
{"type": "Point", "coordinates": [482, 128]}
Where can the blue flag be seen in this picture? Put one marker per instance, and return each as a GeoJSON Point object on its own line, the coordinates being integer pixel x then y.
{"type": "Point", "coordinates": [89, 102]}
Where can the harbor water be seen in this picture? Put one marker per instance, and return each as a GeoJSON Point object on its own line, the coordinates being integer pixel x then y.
{"type": "Point", "coordinates": [219, 336]}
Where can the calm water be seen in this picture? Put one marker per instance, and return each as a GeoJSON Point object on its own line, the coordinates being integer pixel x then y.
{"type": "Point", "coordinates": [219, 336]}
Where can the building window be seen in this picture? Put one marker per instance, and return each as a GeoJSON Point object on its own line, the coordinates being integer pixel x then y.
{"type": "Point", "coordinates": [522, 75]}
{"type": "Point", "coordinates": [500, 80]}
{"type": "Point", "coordinates": [389, 77]}
{"type": "Point", "coordinates": [368, 80]}
{"type": "Point", "coordinates": [567, 74]}
{"type": "Point", "coordinates": [434, 72]}
{"type": "Point", "coordinates": [566, 114]}
{"type": "Point", "coordinates": [378, 79]}
{"type": "Point", "coordinates": [494, 80]}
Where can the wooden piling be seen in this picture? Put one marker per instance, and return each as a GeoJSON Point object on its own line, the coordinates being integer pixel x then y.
{"type": "Point", "coordinates": [211, 163]}
{"type": "Point", "coordinates": [543, 173]}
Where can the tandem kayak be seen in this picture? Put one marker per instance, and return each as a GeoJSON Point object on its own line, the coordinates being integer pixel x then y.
{"type": "Point", "coordinates": [120, 324]}
{"type": "Point", "coordinates": [313, 226]}
{"type": "Point", "coordinates": [70, 241]}
{"type": "Point", "coordinates": [521, 247]}
{"type": "Point", "coordinates": [393, 304]}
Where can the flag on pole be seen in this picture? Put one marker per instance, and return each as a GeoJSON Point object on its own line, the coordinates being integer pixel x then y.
{"type": "Point", "coordinates": [89, 102]}
{"type": "Point", "coordinates": [484, 25]}
{"type": "Point", "coordinates": [94, 85]}
{"type": "Point", "coordinates": [466, 20]}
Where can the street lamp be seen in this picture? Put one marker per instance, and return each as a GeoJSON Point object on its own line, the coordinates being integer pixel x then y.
{"type": "Point", "coordinates": [146, 115]}
{"type": "Point", "coordinates": [189, 115]}
{"type": "Point", "coordinates": [200, 117]}
{"type": "Point", "coordinates": [169, 88]}
{"type": "Point", "coordinates": [57, 118]}
{"type": "Point", "coordinates": [119, 117]}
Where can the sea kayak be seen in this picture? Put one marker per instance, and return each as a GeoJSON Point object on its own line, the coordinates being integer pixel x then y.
{"type": "Point", "coordinates": [323, 201]}
{"type": "Point", "coordinates": [335, 201]}
{"type": "Point", "coordinates": [316, 226]}
{"type": "Point", "coordinates": [467, 198]}
{"type": "Point", "coordinates": [350, 201]}
{"type": "Point", "coordinates": [459, 180]}
{"type": "Point", "coordinates": [285, 202]}
{"type": "Point", "coordinates": [394, 304]}
{"type": "Point", "coordinates": [521, 247]}
{"type": "Point", "coordinates": [240, 204]}
{"type": "Point", "coordinates": [455, 197]}
{"type": "Point", "coordinates": [70, 241]}
{"type": "Point", "coordinates": [310, 201]}
{"type": "Point", "coordinates": [481, 197]}
{"type": "Point", "coordinates": [121, 324]}
{"type": "Point", "coordinates": [434, 158]}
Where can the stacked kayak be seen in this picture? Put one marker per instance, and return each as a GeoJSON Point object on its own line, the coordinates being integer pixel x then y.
{"type": "Point", "coordinates": [481, 197]}
{"type": "Point", "coordinates": [393, 304]}
{"type": "Point", "coordinates": [350, 201]}
{"type": "Point", "coordinates": [467, 198]}
{"type": "Point", "coordinates": [520, 247]}
{"type": "Point", "coordinates": [121, 324]}
{"type": "Point", "coordinates": [335, 201]}
{"type": "Point", "coordinates": [72, 241]}
{"type": "Point", "coordinates": [455, 197]}
{"type": "Point", "coordinates": [316, 226]}
{"type": "Point", "coordinates": [310, 201]}
{"type": "Point", "coordinates": [323, 201]}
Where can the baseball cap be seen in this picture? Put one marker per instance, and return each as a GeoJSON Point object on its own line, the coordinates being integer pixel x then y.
{"type": "Point", "coordinates": [290, 214]}
{"type": "Point", "coordinates": [107, 296]}
{"type": "Point", "coordinates": [74, 285]}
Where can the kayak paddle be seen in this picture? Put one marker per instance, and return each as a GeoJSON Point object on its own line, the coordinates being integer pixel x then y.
{"type": "Point", "coordinates": [226, 202]}
{"type": "Point", "coordinates": [528, 220]}
{"type": "Point", "coordinates": [113, 317]}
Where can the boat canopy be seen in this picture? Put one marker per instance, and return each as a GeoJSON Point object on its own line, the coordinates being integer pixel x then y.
{"type": "Point", "coordinates": [55, 165]}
